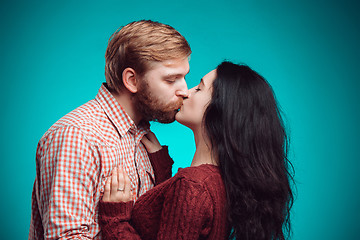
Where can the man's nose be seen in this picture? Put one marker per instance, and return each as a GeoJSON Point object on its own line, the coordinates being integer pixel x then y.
{"type": "Point", "coordinates": [182, 93]}
{"type": "Point", "coordinates": [183, 90]}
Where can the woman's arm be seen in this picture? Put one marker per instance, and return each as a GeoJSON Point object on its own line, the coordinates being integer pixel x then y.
{"type": "Point", "coordinates": [187, 211]}
{"type": "Point", "coordinates": [159, 158]}
{"type": "Point", "coordinates": [162, 164]}
{"type": "Point", "coordinates": [115, 208]}
{"type": "Point", "coordinates": [114, 220]}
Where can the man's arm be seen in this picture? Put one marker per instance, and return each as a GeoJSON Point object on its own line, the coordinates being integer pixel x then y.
{"type": "Point", "coordinates": [68, 176]}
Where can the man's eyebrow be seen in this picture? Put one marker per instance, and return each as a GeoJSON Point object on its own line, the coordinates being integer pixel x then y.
{"type": "Point", "coordinates": [202, 81]}
{"type": "Point", "coordinates": [170, 75]}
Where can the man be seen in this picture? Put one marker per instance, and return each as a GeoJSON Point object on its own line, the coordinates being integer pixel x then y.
{"type": "Point", "coordinates": [146, 64]}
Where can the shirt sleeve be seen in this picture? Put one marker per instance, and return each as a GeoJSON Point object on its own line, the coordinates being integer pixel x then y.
{"type": "Point", "coordinates": [67, 180]}
{"type": "Point", "coordinates": [187, 212]}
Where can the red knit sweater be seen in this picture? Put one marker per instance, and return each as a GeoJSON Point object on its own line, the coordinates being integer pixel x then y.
{"type": "Point", "coordinates": [190, 205]}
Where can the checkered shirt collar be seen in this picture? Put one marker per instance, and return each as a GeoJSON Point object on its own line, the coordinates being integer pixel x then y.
{"type": "Point", "coordinates": [117, 114]}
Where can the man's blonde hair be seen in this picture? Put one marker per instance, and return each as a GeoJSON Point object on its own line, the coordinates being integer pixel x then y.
{"type": "Point", "coordinates": [138, 44]}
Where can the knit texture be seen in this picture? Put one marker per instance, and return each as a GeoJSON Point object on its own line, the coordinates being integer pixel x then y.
{"type": "Point", "coordinates": [162, 164]}
{"type": "Point", "coordinates": [190, 205]}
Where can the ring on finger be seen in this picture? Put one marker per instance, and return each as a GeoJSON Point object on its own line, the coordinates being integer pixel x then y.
{"type": "Point", "coordinates": [120, 189]}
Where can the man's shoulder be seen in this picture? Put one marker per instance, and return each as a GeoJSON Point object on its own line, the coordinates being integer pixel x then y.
{"type": "Point", "coordinates": [83, 115]}
{"type": "Point", "coordinates": [89, 119]}
{"type": "Point", "coordinates": [88, 112]}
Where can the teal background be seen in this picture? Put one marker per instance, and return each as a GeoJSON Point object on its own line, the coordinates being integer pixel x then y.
{"type": "Point", "coordinates": [52, 61]}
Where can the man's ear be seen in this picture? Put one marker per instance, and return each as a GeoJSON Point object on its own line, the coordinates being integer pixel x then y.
{"type": "Point", "coordinates": [129, 79]}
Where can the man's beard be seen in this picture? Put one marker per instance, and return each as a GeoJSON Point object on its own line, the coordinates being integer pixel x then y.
{"type": "Point", "coordinates": [151, 108]}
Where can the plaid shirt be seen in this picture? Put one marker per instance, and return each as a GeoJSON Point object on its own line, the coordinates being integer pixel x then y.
{"type": "Point", "coordinates": [73, 160]}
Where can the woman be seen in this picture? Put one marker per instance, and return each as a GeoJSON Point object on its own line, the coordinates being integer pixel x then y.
{"type": "Point", "coordinates": [238, 184]}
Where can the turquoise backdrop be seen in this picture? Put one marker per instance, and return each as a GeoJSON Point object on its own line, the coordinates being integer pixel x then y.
{"type": "Point", "coordinates": [52, 61]}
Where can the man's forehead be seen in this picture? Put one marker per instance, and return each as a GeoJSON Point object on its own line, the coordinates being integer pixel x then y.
{"type": "Point", "coordinates": [175, 62]}
{"type": "Point", "coordinates": [171, 67]}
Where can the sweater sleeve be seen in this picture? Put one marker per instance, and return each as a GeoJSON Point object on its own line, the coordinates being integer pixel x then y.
{"type": "Point", "coordinates": [162, 164]}
{"type": "Point", "coordinates": [187, 212]}
{"type": "Point", "coordinates": [114, 220]}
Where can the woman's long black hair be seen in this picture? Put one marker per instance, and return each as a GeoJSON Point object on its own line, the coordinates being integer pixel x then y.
{"type": "Point", "coordinates": [247, 133]}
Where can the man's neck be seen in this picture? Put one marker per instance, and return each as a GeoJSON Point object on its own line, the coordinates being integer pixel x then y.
{"type": "Point", "coordinates": [125, 100]}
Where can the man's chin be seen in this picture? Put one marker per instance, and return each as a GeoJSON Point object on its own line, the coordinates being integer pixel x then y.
{"type": "Point", "coordinates": [166, 118]}
{"type": "Point", "coordinates": [165, 121]}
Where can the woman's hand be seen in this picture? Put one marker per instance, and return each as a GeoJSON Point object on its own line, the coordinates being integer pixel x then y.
{"type": "Point", "coordinates": [151, 143]}
{"type": "Point", "coordinates": [118, 187]}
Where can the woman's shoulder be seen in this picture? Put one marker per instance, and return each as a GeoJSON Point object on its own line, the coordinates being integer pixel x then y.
{"type": "Point", "coordinates": [203, 180]}
{"type": "Point", "coordinates": [199, 174]}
